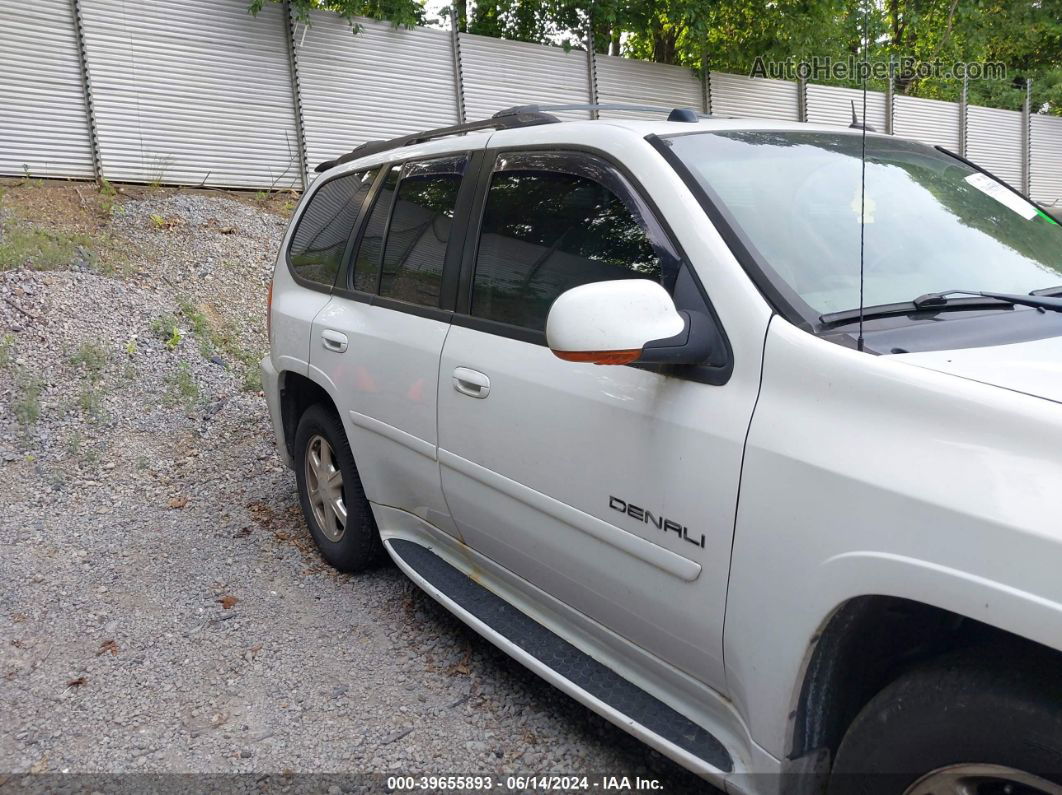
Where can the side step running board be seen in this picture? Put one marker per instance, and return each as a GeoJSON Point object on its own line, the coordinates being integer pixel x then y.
{"type": "Point", "coordinates": [563, 658]}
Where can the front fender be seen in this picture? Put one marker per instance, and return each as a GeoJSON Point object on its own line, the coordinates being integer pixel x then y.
{"type": "Point", "coordinates": [864, 475]}
{"type": "Point", "coordinates": [998, 604]}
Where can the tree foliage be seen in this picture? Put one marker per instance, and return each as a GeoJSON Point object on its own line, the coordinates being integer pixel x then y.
{"type": "Point", "coordinates": [406, 13]}
{"type": "Point", "coordinates": [1024, 35]}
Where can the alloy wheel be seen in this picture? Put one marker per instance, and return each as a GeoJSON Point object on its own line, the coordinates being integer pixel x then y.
{"type": "Point", "coordinates": [976, 779]}
{"type": "Point", "coordinates": [324, 488]}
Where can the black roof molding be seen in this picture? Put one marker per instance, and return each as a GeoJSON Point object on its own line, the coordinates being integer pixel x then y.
{"type": "Point", "coordinates": [510, 118]}
{"type": "Point", "coordinates": [673, 114]}
{"type": "Point", "coordinates": [500, 121]}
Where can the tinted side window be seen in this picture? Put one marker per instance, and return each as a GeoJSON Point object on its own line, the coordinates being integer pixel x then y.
{"type": "Point", "coordinates": [320, 238]}
{"type": "Point", "coordinates": [545, 232]}
{"type": "Point", "coordinates": [419, 231]}
{"type": "Point", "coordinates": [367, 262]}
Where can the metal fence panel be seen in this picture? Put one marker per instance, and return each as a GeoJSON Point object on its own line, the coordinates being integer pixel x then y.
{"type": "Point", "coordinates": [43, 120]}
{"type": "Point", "coordinates": [994, 141]}
{"type": "Point", "coordinates": [377, 83]}
{"type": "Point", "coordinates": [1046, 159]}
{"type": "Point", "coordinates": [624, 80]}
{"type": "Point", "coordinates": [930, 121]}
{"type": "Point", "coordinates": [196, 93]}
{"type": "Point", "coordinates": [192, 93]}
{"type": "Point", "coordinates": [498, 74]}
{"type": "Point", "coordinates": [833, 105]}
{"type": "Point", "coordinates": [737, 95]}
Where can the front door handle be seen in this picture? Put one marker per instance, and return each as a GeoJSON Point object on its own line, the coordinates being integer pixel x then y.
{"type": "Point", "coordinates": [471, 382]}
{"type": "Point", "coordinates": [334, 340]}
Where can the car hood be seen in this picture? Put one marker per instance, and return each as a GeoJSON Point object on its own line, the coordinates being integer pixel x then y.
{"type": "Point", "coordinates": [1034, 368]}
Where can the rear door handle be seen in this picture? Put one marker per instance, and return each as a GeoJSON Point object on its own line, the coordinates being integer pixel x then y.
{"type": "Point", "coordinates": [471, 382]}
{"type": "Point", "coordinates": [334, 340]}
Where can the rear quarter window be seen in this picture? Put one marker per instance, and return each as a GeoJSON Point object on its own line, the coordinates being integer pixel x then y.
{"type": "Point", "coordinates": [321, 234]}
{"type": "Point", "coordinates": [419, 231]}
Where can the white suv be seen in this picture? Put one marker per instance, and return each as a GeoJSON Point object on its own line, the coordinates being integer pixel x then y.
{"type": "Point", "coordinates": [808, 521]}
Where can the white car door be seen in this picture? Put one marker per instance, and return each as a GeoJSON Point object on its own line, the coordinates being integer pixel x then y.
{"type": "Point", "coordinates": [379, 340]}
{"type": "Point", "coordinates": [611, 488]}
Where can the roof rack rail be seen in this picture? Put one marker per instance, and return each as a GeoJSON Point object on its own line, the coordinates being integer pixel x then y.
{"type": "Point", "coordinates": [673, 114]}
{"type": "Point", "coordinates": [504, 120]}
{"type": "Point", "coordinates": [510, 118]}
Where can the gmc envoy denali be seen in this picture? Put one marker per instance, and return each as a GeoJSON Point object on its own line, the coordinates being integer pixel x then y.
{"type": "Point", "coordinates": [623, 396]}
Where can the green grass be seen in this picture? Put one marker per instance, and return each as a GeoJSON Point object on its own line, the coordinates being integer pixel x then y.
{"type": "Point", "coordinates": [92, 358]}
{"type": "Point", "coordinates": [27, 405]}
{"type": "Point", "coordinates": [182, 387]}
{"type": "Point", "coordinates": [91, 458]}
{"type": "Point", "coordinates": [107, 199]}
{"type": "Point", "coordinates": [86, 454]}
{"type": "Point", "coordinates": [7, 342]}
{"type": "Point", "coordinates": [27, 178]}
{"type": "Point", "coordinates": [91, 402]}
{"type": "Point", "coordinates": [166, 328]}
{"type": "Point", "coordinates": [44, 250]}
{"type": "Point", "coordinates": [224, 341]}
{"type": "Point", "coordinates": [201, 328]}
{"type": "Point", "coordinates": [159, 165]}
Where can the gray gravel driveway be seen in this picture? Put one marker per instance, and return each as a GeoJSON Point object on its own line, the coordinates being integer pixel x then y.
{"type": "Point", "coordinates": [161, 606]}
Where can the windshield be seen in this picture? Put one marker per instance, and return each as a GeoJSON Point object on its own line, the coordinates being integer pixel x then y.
{"type": "Point", "coordinates": [932, 222]}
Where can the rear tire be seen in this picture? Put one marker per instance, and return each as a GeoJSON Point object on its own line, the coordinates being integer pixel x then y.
{"type": "Point", "coordinates": [330, 492]}
{"type": "Point", "coordinates": [986, 719]}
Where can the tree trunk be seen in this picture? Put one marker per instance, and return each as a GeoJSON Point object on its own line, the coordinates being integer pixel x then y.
{"type": "Point", "coordinates": [664, 42]}
{"type": "Point", "coordinates": [603, 33]}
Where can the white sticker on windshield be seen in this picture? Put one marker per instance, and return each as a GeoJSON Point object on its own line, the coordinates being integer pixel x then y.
{"type": "Point", "coordinates": [1002, 194]}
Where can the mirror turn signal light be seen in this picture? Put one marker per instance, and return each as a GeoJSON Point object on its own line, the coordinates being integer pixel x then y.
{"type": "Point", "coordinates": [600, 357]}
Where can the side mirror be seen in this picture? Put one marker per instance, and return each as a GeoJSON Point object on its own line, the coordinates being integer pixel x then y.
{"type": "Point", "coordinates": [625, 321]}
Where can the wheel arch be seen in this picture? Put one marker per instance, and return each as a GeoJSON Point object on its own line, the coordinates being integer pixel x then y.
{"type": "Point", "coordinates": [862, 646]}
{"type": "Point", "coordinates": [297, 393]}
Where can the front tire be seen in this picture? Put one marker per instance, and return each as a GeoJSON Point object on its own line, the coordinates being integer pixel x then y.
{"type": "Point", "coordinates": [980, 721]}
{"type": "Point", "coordinates": [330, 492]}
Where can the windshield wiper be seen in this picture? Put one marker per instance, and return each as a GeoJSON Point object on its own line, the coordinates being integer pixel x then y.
{"type": "Point", "coordinates": [911, 308]}
{"type": "Point", "coordinates": [1040, 301]}
{"type": "Point", "coordinates": [1047, 291]}
{"type": "Point", "coordinates": [940, 302]}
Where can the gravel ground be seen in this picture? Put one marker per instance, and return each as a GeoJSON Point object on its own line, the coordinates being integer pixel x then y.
{"type": "Point", "coordinates": [162, 608]}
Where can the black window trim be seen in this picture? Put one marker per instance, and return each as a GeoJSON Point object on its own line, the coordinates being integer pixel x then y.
{"type": "Point", "coordinates": [387, 223]}
{"type": "Point", "coordinates": [345, 280]}
{"type": "Point", "coordinates": [459, 266]}
{"type": "Point", "coordinates": [716, 376]}
{"type": "Point", "coordinates": [448, 292]}
{"type": "Point", "coordinates": [779, 296]}
{"type": "Point", "coordinates": [328, 289]}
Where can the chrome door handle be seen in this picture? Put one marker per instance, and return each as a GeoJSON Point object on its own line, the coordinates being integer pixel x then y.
{"type": "Point", "coordinates": [334, 340]}
{"type": "Point", "coordinates": [471, 382]}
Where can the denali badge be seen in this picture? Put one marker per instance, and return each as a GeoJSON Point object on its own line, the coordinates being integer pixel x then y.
{"type": "Point", "coordinates": [642, 515]}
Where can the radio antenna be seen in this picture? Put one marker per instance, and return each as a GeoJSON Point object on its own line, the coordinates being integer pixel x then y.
{"type": "Point", "coordinates": [863, 171]}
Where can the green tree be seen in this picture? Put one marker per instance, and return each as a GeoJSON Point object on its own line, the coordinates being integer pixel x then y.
{"type": "Point", "coordinates": [1024, 35]}
{"type": "Point", "coordinates": [406, 13]}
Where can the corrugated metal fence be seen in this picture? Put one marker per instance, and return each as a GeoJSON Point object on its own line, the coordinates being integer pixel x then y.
{"type": "Point", "coordinates": [190, 92]}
